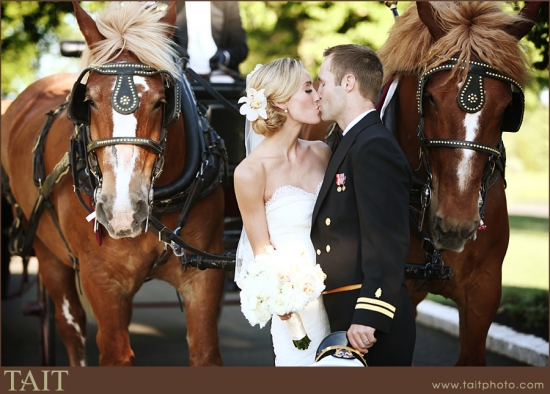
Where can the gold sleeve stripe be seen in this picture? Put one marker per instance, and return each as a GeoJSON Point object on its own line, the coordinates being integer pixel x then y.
{"type": "Point", "coordinates": [376, 302]}
{"type": "Point", "coordinates": [375, 309]}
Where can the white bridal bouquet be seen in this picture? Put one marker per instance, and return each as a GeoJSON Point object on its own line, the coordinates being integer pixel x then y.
{"type": "Point", "coordinates": [279, 282]}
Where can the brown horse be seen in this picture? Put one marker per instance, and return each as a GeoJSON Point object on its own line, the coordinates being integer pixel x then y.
{"type": "Point", "coordinates": [127, 148]}
{"type": "Point", "coordinates": [459, 69]}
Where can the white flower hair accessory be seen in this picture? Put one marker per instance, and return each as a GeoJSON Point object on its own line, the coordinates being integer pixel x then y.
{"type": "Point", "coordinates": [254, 104]}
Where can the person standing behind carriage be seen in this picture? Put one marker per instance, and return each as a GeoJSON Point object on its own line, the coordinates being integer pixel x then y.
{"type": "Point", "coordinates": [211, 35]}
{"type": "Point", "coordinates": [360, 223]}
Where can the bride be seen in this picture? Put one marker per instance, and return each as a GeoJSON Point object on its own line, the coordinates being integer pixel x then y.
{"type": "Point", "coordinates": [277, 184]}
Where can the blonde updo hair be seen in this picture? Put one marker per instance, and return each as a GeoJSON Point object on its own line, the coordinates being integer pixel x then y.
{"type": "Point", "coordinates": [280, 78]}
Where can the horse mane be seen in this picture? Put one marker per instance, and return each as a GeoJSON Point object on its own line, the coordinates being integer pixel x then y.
{"type": "Point", "coordinates": [135, 27]}
{"type": "Point", "coordinates": [473, 30]}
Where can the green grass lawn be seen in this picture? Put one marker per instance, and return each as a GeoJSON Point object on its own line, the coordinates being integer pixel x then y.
{"type": "Point", "coordinates": [526, 187]}
{"type": "Point", "coordinates": [527, 259]}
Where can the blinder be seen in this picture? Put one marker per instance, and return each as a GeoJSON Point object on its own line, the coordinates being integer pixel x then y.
{"type": "Point", "coordinates": [124, 99]}
{"type": "Point", "coordinates": [513, 116]}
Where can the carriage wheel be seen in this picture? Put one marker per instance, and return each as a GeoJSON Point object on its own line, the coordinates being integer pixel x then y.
{"type": "Point", "coordinates": [47, 325]}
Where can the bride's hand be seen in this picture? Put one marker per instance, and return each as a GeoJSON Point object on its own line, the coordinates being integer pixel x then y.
{"type": "Point", "coordinates": [285, 317]}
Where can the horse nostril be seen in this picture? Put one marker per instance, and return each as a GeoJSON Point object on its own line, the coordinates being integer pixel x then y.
{"type": "Point", "coordinates": [141, 211]}
{"type": "Point", "coordinates": [441, 225]}
{"type": "Point", "coordinates": [101, 214]}
{"type": "Point", "coordinates": [124, 233]}
{"type": "Point", "coordinates": [468, 232]}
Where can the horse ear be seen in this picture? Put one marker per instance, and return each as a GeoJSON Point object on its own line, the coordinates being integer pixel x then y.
{"type": "Point", "coordinates": [426, 15]}
{"type": "Point", "coordinates": [170, 16]}
{"type": "Point", "coordinates": [87, 25]}
{"type": "Point", "coordinates": [521, 28]}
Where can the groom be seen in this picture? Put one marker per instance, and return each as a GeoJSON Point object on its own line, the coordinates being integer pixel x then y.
{"type": "Point", "coordinates": [360, 225]}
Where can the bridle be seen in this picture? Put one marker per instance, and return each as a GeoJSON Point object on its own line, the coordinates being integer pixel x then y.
{"type": "Point", "coordinates": [205, 159]}
{"type": "Point", "coordinates": [471, 99]}
{"type": "Point", "coordinates": [125, 101]}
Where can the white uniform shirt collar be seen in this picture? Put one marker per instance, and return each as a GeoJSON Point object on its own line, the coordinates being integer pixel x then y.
{"type": "Point", "coordinates": [355, 121]}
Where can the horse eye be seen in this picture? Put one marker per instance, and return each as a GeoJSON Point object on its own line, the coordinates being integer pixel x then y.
{"type": "Point", "coordinates": [89, 100]}
{"type": "Point", "coordinates": [159, 103]}
{"type": "Point", "coordinates": [430, 98]}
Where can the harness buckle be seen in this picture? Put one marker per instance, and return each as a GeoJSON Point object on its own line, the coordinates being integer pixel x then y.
{"type": "Point", "coordinates": [178, 250]}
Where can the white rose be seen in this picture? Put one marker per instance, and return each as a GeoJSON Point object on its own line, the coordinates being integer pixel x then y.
{"type": "Point", "coordinates": [263, 314]}
{"type": "Point", "coordinates": [279, 305]}
{"type": "Point", "coordinates": [255, 268]}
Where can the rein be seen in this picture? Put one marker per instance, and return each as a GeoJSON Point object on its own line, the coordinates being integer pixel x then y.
{"type": "Point", "coordinates": [200, 259]}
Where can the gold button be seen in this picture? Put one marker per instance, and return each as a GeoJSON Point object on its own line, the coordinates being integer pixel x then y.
{"type": "Point", "coordinates": [328, 248]}
{"type": "Point", "coordinates": [327, 221]}
{"type": "Point", "coordinates": [318, 252]}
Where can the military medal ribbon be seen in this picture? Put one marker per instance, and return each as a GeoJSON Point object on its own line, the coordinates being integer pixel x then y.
{"type": "Point", "coordinates": [341, 182]}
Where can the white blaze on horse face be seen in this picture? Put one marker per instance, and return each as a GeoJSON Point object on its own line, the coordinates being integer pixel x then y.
{"type": "Point", "coordinates": [70, 320]}
{"type": "Point", "coordinates": [123, 157]}
{"type": "Point", "coordinates": [471, 125]}
{"type": "Point", "coordinates": [141, 81]}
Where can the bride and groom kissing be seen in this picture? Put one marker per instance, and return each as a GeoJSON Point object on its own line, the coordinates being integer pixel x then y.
{"type": "Point", "coordinates": [347, 208]}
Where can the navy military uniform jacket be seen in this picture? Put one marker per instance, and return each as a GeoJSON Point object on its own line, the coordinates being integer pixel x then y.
{"type": "Point", "coordinates": [361, 233]}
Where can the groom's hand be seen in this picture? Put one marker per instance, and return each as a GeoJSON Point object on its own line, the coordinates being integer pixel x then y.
{"type": "Point", "coordinates": [361, 338]}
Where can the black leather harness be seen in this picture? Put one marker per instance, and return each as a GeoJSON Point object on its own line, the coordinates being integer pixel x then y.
{"type": "Point", "coordinates": [205, 164]}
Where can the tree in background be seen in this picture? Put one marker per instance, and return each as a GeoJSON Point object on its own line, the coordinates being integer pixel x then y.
{"type": "Point", "coordinates": [538, 37]}
{"type": "Point", "coordinates": [29, 31]}
{"type": "Point", "coordinates": [305, 29]}
{"type": "Point", "coordinates": [274, 29]}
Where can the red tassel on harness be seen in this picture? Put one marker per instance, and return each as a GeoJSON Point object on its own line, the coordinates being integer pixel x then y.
{"type": "Point", "coordinates": [482, 225]}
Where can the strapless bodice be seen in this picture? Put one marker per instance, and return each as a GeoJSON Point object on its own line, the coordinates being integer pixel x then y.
{"type": "Point", "coordinates": [288, 214]}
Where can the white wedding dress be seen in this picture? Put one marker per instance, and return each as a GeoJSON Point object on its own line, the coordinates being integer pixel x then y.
{"type": "Point", "coordinates": [288, 215]}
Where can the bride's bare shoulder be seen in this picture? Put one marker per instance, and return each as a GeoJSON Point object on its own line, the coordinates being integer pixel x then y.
{"type": "Point", "coordinates": [250, 169]}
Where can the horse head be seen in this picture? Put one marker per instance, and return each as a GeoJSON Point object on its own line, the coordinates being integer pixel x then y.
{"type": "Point", "coordinates": [465, 103]}
{"type": "Point", "coordinates": [126, 96]}
{"type": "Point", "coordinates": [468, 70]}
